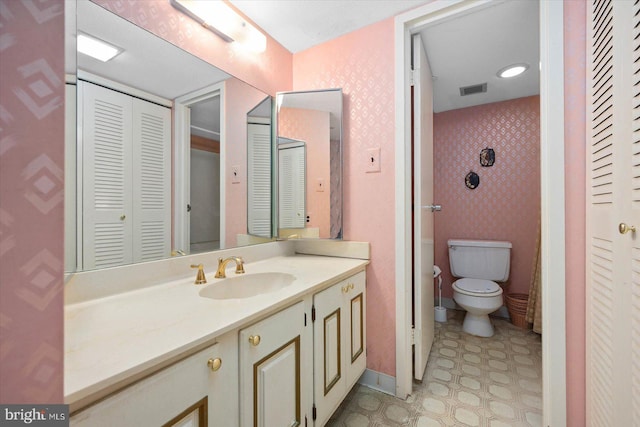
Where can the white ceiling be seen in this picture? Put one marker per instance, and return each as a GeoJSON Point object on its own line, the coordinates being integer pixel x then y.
{"type": "Point", "coordinates": [470, 50]}
{"type": "Point", "coordinates": [462, 51]}
{"type": "Point", "coordinates": [298, 25]}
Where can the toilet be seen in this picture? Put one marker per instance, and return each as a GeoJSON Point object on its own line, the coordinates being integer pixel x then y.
{"type": "Point", "coordinates": [478, 265]}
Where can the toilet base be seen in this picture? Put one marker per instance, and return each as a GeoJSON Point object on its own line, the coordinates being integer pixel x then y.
{"type": "Point", "coordinates": [477, 324]}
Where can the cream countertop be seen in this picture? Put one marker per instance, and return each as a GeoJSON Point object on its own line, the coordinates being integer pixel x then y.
{"type": "Point", "coordinates": [112, 341]}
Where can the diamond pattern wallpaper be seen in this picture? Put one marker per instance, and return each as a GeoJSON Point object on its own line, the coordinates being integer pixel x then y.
{"type": "Point", "coordinates": [506, 204]}
{"type": "Point", "coordinates": [361, 63]}
{"type": "Point", "coordinates": [31, 200]}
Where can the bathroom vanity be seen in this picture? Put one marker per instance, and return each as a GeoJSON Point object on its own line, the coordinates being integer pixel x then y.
{"type": "Point", "coordinates": [176, 353]}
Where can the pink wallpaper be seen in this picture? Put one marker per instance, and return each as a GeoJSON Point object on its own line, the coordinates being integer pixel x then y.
{"type": "Point", "coordinates": [575, 202]}
{"type": "Point", "coordinates": [506, 204]}
{"type": "Point", "coordinates": [361, 63]}
{"type": "Point", "coordinates": [269, 71]}
{"type": "Point", "coordinates": [31, 201]}
{"type": "Point", "coordinates": [312, 127]}
{"type": "Point", "coordinates": [31, 164]}
{"type": "Point", "coordinates": [240, 98]}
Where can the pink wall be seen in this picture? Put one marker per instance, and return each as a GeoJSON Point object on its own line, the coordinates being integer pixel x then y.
{"type": "Point", "coordinates": [361, 63]}
{"type": "Point", "coordinates": [575, 202]}
{"type": "Point", "coordinates": [32, 147]}
{"type": "Point", "coordinates": [506, 204]}
{"type": "Point", "coordinates": [31, 201]}
{"type": "Point", "coordinates": [312, 127]}
{"type": "Point", "coordinates": [269, 71]}
{"type": "Point", "coordinates": [239, 99]}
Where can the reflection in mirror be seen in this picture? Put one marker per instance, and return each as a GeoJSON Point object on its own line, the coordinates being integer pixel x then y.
{"type": "Point", "coordinates": [159, 131]}
{"type": "Point", "coordinates": [259, 170]}
{"type": "Point", "coordinates": [309, 145]}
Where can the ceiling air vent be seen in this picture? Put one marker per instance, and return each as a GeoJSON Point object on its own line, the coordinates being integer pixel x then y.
{"type": "Point", "coordinates": [470, 90]}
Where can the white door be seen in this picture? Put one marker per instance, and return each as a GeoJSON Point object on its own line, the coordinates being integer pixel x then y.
{"type": "Point", "coordinates": [151, 181]}
{"type": "Point", "coordinates": [423, 216]}
{"type": "Point", "coordinates": [107, 211]}
{"type": "Point", "coordinates": [259, 179]}
{"type": "Point", "coordinates": [291, 186]}
{"type": "Point", "coordinates": [613, 208]}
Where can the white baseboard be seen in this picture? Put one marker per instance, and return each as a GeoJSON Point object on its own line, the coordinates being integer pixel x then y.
{"type": "Point", "coordinates": [378, 381]}
{"type": "Point", "coordinates": [451, 305]}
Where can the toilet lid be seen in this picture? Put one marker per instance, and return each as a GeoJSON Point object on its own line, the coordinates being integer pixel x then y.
{"type": "Point", "coordinates": [479, 286]}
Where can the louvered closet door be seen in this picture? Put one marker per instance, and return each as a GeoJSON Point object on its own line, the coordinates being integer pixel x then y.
{"type": "Point", "coordinates": [291, 187]}
{"type": "Point", "coordinates": [259, 179]}
{"type": "Point", "coordinates": [151, 181]}
{"type": "Point", "coordinates": [106, 177]}
{"type": "Point", "coordinates": [613, 272]}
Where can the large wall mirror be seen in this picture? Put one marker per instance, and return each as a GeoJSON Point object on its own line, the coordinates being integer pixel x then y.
{"type": "Point", "coordinates": [309, 159]}
{"type": "Point", "coordinates": [159, 164]}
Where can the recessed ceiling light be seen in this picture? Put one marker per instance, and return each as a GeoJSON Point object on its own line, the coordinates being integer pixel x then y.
{"type": "Point", "coordinates": [97, 49]}
{"type": "Point", "coordinates": [512, 70]}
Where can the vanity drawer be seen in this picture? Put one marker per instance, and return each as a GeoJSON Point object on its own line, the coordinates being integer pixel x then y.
{"type": "Point", "coordinates": [200, 390]}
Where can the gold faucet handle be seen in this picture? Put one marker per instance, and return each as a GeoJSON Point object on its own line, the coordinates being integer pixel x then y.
{"type": "Point", "coordinates": [200, 277]}
{"type": "Point", "coordinates": [239, 265]}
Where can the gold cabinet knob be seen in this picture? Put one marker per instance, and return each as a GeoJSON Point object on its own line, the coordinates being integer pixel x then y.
{"type": "Point", "coordinates": [254, 340]}
{"type": "Point", "coordinates": [122, 217]}
{"type": "Point", "coordinates": [624, 228]}
{"type": "Point", "coordinates": [347, 287]}
{"type": "Point", "coordinates": [214, 364]}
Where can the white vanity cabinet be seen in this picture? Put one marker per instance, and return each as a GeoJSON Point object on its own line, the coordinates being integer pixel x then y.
{"type": "Point", "coordinates": [274, 371]}
{"type": "Point", "coordinates": [339, 343]}
{"type": "Point", "coordinates": [198, 391]}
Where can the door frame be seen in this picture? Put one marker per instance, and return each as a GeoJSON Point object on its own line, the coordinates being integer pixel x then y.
{"type": "Point", "coordinates": [552, 195]}
{"type": "Point", "coordinates": [182, 165]}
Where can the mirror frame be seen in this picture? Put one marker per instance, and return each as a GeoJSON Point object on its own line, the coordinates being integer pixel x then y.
{"type": "Point", "coordinates": [278, 103]}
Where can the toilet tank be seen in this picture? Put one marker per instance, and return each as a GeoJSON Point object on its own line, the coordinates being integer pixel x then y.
{"type": "Point", "coordinates": [480, 259]}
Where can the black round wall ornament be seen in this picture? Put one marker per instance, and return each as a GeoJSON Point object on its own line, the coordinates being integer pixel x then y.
{"type": "Point", "coordinates": [487, 157]}
{"type": "Point", "coordinates": [472, 180]}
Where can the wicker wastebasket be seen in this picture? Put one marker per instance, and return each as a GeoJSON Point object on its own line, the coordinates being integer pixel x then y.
{"type": "Point", "coordinates": [517, 307]}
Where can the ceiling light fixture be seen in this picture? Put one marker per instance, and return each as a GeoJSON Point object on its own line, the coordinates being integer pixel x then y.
{"type": "Point", "coordinates": [218, 17]}
{"type": "Point", "coordinates": [96, 48]}
{"type": "Point", "coordinates": [513, 70]}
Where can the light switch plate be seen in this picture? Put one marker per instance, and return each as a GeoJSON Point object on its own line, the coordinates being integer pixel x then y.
{"type": "Point", "coordinates": [373, 160]}
{"type": "Point", "coordinates": [235, 174]}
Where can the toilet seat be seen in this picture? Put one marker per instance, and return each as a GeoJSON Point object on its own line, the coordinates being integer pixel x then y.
{"type": "Point", "coordinates": [477, 287]}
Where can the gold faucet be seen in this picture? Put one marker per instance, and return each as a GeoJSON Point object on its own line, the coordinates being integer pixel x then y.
{"type": "Point", "coordinates": [222, 264]}
{"type": "Point", "coordinates": [200, 277]}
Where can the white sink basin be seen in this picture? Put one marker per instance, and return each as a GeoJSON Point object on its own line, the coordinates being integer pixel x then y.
{"type": "Point", "coordinates": [247, 285]}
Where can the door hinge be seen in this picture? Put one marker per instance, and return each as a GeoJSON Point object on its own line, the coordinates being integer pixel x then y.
{"type": "Point", "coordinates": [412, 77]}
{"type": "Point", "coordinates": [314, 412]}
{"type": "Point", "coordinates": [313, 316]}
{"type": "Point", "coordinates": [413, 335]}
{"type": "Point", "coordinates": [305, 319]}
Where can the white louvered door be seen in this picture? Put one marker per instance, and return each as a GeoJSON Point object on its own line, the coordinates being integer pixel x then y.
{"type": "Point", "coordinates": [151, 181]}
{"type": "Point", "coordinates": [126, 178]}
{"type": "Point", "coordinates": [291, 187]}
{"type": "Point", "coordinates": [259, 179]}
{"type": "Point", "coordinates": [106, 177]}
{"type": "Point", "coordinates": [613, 257]}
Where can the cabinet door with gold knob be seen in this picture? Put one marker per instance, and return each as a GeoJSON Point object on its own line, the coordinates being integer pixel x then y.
{"type": "Point", "coordinates": [272, 374]}
{"type": "Point", "coordinates": [339, 342]}
{"type": "Point", "coordinates": [186, 393]}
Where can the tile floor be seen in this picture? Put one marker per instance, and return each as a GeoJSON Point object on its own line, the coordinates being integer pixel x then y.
{"type": "Point", "coordinates": [469, 381]}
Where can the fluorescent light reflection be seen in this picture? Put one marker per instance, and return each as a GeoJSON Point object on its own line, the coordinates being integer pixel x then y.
{"type": "Point", "coordinates": [218, 17]}
{"type": "Point", "coordinates": [95, 48]}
